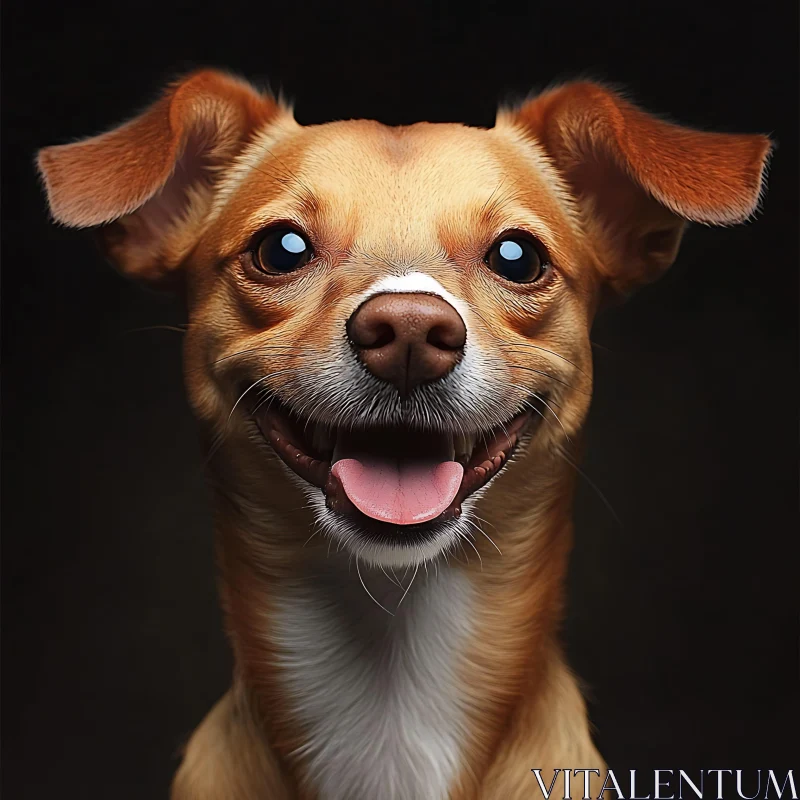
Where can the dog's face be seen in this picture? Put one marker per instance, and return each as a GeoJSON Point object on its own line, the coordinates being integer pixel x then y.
{"type": "Point", "coordinates": [400, 323]}
{"type": "Point", "coordinates": [381, 317]}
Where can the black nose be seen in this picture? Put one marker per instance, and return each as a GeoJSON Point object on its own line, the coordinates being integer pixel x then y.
{"type": "Point", "coordinates": [407, 339]}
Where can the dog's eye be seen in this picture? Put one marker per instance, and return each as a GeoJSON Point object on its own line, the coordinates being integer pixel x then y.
{"type": "Point", "coordinates": [282, 250]}
{"type": "Point", "coordinates": [517, 259]}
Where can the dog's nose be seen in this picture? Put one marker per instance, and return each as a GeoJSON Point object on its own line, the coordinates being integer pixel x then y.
{"type": "Point", "coordinates": [407, 338]}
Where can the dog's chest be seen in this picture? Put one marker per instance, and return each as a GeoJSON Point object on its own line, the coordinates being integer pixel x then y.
{"type": "Point", "coordinates": [377, 697]}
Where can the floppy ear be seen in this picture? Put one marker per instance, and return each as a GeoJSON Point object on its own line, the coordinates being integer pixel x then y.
{"type": "Point", "coordinates": [637, 178]}
{"type": "Point", "coordinates": [149, 182]}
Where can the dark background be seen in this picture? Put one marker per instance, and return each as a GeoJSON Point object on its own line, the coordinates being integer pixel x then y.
{"type": "Point", "coordinates": [682, 619]}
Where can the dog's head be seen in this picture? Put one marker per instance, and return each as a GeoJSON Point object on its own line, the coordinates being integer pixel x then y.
{"type": "Point", "coordinates": [380, 317]}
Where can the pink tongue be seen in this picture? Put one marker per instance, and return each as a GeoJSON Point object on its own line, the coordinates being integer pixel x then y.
{"type": "Point", "coordinates": [402, 492]}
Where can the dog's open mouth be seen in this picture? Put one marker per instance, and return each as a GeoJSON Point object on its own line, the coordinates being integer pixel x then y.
{"type": "Point", "coordinates": [392, 475]}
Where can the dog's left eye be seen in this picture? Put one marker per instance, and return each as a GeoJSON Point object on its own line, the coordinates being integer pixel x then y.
{"type": "Point", "coordinates": [517, 259]}
{"type": "Point", "coordinates": [282, 250]}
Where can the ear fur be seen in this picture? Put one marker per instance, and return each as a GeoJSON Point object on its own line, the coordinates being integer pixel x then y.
{"type": "Point", "coordinates": [149, 182]}
{"type": "Point", "coordinates": [637, 178]}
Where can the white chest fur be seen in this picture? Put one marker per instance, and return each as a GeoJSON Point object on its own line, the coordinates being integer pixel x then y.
{"type": "Point", "coordinates": [378, 696]}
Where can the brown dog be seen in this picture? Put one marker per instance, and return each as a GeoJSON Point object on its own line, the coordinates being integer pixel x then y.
{"type": "Point", "coordinates": [388, 356]}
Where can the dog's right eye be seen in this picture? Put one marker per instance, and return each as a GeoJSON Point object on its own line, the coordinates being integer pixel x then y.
{"type": "Point", "coordinates": [282, 250]}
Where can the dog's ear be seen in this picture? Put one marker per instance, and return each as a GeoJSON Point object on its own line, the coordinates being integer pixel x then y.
{"type": "Point", "coordinates": [637, 178]}
{"type": "Point", "coordinates": [148, 184]}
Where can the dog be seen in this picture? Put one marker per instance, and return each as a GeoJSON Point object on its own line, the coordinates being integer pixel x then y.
{"type": "Point", "coordinates": [388, 357]}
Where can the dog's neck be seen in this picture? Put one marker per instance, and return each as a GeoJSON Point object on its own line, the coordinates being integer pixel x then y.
{"type": "Point", "coordinates": [347, 662]}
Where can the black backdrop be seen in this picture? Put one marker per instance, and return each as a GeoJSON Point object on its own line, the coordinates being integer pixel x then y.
{"type": "Point", "coordinates": [682, 617]}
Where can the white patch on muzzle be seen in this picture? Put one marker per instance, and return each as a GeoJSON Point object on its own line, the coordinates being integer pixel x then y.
{"type": "Point", "coordinates": [419, 283]}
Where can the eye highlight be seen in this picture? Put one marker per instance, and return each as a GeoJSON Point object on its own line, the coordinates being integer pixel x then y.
{"type": "Point", "coordinates": [517, 258]}
{"type": "Point", "coordinates": [282, 250]}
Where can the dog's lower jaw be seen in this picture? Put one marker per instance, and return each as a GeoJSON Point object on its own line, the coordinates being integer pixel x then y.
{"type": "Point", "coordinates": [470, 654]}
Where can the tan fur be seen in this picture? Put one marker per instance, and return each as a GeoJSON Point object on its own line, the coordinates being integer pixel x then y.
{"type": "Point", "coordinates": [606, 187]}
{"type": "Point", "coordinates": [229, 757]}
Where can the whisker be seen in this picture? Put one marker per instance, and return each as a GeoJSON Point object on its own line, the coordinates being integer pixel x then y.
{"type": "Point", "coordinates": [482, 520]}
{"type": "Point", "coordinates": [469, 541]}
{"type": "Point", "coordinates": [364, 585]}
{"type": "Point", "coordinates": [260, 348]}
{"type": "Point", "coordinates": [483, 532]}
{"type": "Point", "coordinates": [313, 534]}
{"type": "Point", "coordinates": [175, 328]}
{"type": "Point", "coordinates": [252, 386]}
{"type": "Point", "coordinates": [223, 433]}
{"type": "Point", "coordinates": [542, 399]}
{"type": "Point", "coordinates": [548, 375]}
{"type": "Point", "coordinates": [593, 485]}
{"type": "Point", "coordinates": [410, 584]}
{"type": "Point", "coordinates": [526, 344]}
{"type": "Point", "coordinates": [527, 403]}
{"type": "Point", "coordinates": [605, 349]}
{"type": "Point", "coordinates": [531, 346]}
{"type": "Point", "coordinates": [391, 580]}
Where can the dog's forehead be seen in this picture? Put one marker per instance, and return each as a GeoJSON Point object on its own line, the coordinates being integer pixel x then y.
{"type": "Point", "coordinates": [385, 183]}
{"type": "Point", "coordinates": [342, 157]}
